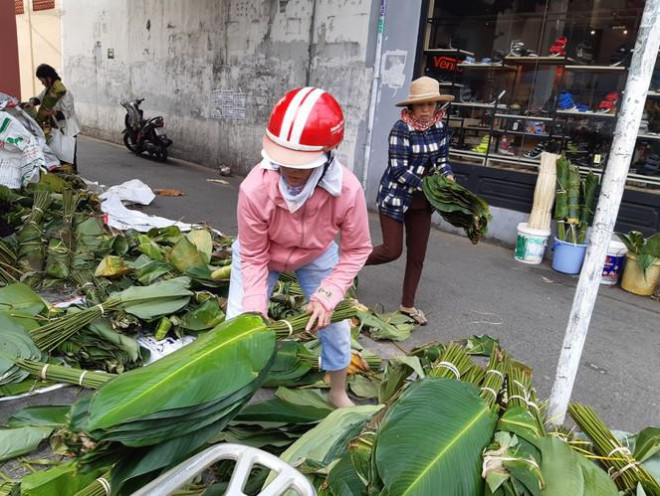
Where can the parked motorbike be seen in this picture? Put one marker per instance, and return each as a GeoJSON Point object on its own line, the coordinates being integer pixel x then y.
{"type": "Point", "coordinates": [144, 135]}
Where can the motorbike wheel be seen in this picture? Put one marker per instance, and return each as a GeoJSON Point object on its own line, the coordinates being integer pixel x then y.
{"type": "Point", "coordinates": [162, 154]}
{"type": "Point", "coordinates": [130, 144]}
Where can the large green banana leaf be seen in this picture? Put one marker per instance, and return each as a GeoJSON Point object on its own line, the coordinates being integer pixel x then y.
{"type": "Point", "coordinates": [301, 406]}
{"type": "Point", "coordinates": [329, 439]}
{"type": "Point", "coordinates": [40, 415]}
{"type": "Point", "coordinates": [161, 298]}
{"type": "Point", "coordinates": [431, 440]}
{"type": "Point", "coordinates": [60, 480]}
{"type": "Point", "coordinates": [567, 472]}
{"type": "Point", "coordinates": [19, 297]}
{"type": "Point", "coordinates": [214, 366]}
{"type": "Point", "coordinates": [21, 440]}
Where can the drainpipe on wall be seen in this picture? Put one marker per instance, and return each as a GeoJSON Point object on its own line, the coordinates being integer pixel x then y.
{"type": "Point", "coordinates": [375, 82]}
{"type": "Point", "coordinates": [310, 48]}
{"type": "Point", "coordinates": [28, 9]}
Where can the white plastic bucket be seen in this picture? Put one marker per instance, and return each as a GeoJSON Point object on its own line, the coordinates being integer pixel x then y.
{"type": "Point", "coordinates": [616, 253]}
{"type": "Point", "coordinates": [530, 244]}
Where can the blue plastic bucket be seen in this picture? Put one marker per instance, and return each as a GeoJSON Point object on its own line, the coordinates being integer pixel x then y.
{"type": "Point", "coordinates": [568, 257]}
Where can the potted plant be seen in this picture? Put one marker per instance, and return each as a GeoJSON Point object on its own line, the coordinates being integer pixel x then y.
{"type": "Point", "coordinates": [575, 203]}
{"type": "Point", "coordinates": [642, 272]}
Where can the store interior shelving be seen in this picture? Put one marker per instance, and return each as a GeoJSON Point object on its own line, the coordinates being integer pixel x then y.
{"type": "Point", "coordinates": [564, 102]}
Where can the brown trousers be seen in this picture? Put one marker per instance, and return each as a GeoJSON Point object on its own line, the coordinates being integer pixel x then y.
{"type": "Point", "coordinates": [417, 222]}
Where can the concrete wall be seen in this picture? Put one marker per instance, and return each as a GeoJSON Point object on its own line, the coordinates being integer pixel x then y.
{"type": "Point", "coordinates": [43, 46]}
{"type": "Point", "coordinates": [9, 75]}
{"type": "Point", "coordinates": [398, 51]}
{"type": "Point", "coordinates": [214, 68]}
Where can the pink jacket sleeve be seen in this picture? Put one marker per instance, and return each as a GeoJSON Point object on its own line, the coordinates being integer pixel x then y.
{"type": "Point", "coordinates": [354, 249]}
{"type": "Point", "coordinates": [255, 255]}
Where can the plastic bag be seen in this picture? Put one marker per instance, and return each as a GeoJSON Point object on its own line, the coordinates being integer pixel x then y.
{"type": "Point", "coordinates": [62, 146]}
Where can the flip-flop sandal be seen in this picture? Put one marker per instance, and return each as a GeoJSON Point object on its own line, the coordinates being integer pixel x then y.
{"type": "Point", "coordinates": [417, 315]}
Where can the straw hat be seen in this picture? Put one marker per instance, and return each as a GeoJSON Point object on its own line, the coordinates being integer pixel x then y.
{"type": "Point", "coordinates": [425, 89]}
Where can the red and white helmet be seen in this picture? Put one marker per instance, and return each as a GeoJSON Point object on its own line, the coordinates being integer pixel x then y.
{"type": "Point", "coordinates": [303, 125]}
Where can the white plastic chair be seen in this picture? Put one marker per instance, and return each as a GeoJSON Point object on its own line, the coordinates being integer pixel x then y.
{"type": "Point", "coordinates": [288, 478]}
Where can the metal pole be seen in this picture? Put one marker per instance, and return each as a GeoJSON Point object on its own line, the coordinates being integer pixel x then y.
{"type": "Point", "coordinates": [623, 144]}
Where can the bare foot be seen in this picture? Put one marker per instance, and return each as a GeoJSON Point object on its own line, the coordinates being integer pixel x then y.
{"type": "Point", "coordinates": [340, 399]}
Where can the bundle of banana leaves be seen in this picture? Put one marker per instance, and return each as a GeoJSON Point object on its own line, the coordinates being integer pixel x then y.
{"type": "Point", "coordinates": [458, 205]}
{"type": "Point", "coordinates": [575, 202]}
{"type": "Point", "coordinates": [152, 417]}
{"type": "Point", "coordinates": [31, 248]}
{"type": "Point", "coordinates": [149, 302]}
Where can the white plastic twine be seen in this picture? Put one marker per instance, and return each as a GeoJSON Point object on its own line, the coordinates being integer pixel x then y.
{"type": "Point", "coordinates": [43, 372]}
{"type": "Point", "coordinates": [82, 376]}
{"type": "Point", "coordinates": [624, 451]}
{"type": "Point", "coordinates": [490, 390]}
{"type": "Point", "coordinates": [450, 366]}
{"type": "Point", "coordinates": [496, 372]}
{"type": "Point", "coordinates": [102, 309]}
{"type": "Point", "coordinates": [105, 484]}
{"type": "Point", "coordinates": [619, 473]}
{"type": "Point", "coordinates": [288, 324]}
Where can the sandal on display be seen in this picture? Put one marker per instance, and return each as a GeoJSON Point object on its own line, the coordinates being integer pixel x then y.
{"type": "Point", "coordinates": [558, 48]}
{"type": "Point", "coordinates": [415, 314]}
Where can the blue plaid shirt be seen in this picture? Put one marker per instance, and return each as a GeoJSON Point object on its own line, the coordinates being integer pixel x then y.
{"type": "Point", "coordinates": [412, 155]}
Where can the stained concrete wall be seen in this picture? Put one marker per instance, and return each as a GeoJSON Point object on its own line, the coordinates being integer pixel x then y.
{"type": "Point", "coordinates": [214, 68]}
{"type": "Point", "coordinates": [41, 46]}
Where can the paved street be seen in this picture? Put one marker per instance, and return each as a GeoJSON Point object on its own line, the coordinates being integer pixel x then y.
{"type": "Point", "coordinates": [465, 290]}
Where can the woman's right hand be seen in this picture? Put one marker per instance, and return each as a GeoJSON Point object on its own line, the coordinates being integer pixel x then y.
{"type": "Point", "coordinates": [320, 317]}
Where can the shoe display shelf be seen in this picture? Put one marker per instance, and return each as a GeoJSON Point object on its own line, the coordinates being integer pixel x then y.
{"type": "Point", "coordinates": [527, 77]}
{"type": "Point", "coordinates": [500, 115]}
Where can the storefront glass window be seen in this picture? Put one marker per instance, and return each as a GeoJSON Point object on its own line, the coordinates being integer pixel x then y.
{"type": "Point", "coordinates": [536, 75]}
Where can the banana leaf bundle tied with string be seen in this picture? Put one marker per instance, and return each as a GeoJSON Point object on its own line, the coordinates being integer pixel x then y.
{"type": "Point", "coordinates": [575, 202]}
{"type": "Point", "coordinates": [147, 302]}
{"type": "Point", "coordinates": [458, 205]}
{"type": "Point", "coordinates": [154, 416]}
{"type": "Point", "coordinates": [31, 249]}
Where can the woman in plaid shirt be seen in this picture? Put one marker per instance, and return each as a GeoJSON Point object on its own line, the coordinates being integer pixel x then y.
{"type": "Point", "coordinates": [418, 146]}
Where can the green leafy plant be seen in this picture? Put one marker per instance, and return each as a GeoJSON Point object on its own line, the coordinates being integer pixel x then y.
{"type": "Point", "coordinates": [646, 250]}
{"type": "Point", "coordinates": [575, 202]}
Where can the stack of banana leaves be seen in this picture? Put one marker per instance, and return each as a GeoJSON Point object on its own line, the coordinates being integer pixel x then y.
{"type": "Point", "coordinates": [458, 205]}
{"type": "Point", "coordinates": [575, 202]}
{"type": "Point", "coordinates": [147, 419]}
{"type": "Point", "coordinates": [443, 421]}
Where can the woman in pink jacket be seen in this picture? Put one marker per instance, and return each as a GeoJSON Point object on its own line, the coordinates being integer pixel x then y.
{"type": "Point", "coordinates": [290, 209]}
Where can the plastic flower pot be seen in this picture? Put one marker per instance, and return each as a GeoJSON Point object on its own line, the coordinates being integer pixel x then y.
{"type": "Point", "coordinates": [633, 279]}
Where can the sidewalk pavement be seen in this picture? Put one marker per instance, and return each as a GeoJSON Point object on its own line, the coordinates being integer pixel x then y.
{"type": "Point", "coordinates": [465, 290]}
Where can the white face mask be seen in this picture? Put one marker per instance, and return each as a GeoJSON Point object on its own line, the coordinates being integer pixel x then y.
{"type": "Point", "coordinates": [295, 198]}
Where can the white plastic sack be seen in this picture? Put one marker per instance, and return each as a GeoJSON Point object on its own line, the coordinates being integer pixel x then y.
{"type": "Point", "coordinates": [21, 156]}
{"type": "Point", "coordinates": [133, 191]}
{"type": "Point", "coordinates": [120, 217]}
{"type": "Point", "coordinates": [63, 146]}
